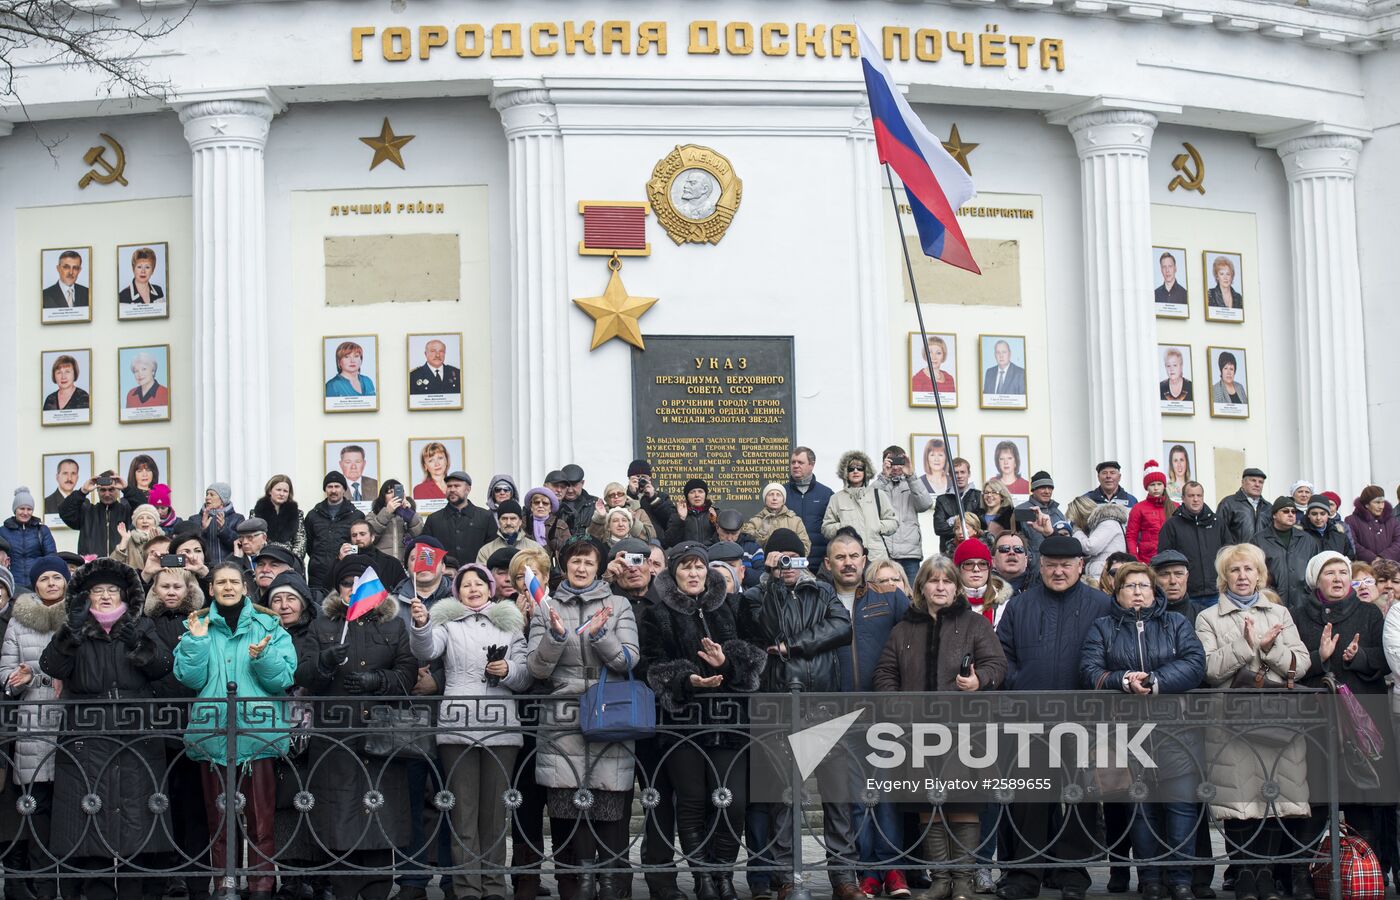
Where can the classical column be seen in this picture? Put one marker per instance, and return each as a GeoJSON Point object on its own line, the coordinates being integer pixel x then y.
{"type": "Point", "coordinates": [870, 204]}
{"type": "Point", "coordinates": [541, 398]}
{"type": "Point", "coordinates": [1121, 331]}
{"type": "Point", "coordinates": [230, 378]}
{"type": "Point", "coordinates": [1332, 413]}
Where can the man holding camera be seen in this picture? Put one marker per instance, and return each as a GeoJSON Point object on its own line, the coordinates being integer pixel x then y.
{"type": "Point", "coordinates": [96, 523]}
{"type": "Point", "coordinates": [390, 571]}
{"type": "Point", "coordinates": [1040, 516]}
{"type": "Point", "coordinates": [805, 628]}
{"type": "Point", "coordinates": [910, 497]}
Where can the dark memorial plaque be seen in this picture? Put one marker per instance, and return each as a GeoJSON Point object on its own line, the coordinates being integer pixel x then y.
{"type": "Point", "coordinates": [717, 408]}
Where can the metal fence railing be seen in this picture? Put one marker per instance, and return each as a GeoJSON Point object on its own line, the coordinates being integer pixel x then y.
{"type": "Point", "coordinates": [122, 787]}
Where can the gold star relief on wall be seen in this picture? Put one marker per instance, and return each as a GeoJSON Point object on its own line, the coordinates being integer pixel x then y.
{"type": "Point", "coordinates": [615, 314]}
{"type": "Point", "coordinates": [387, 145]}
{"type": "Point", "coordinates": [959, 150]}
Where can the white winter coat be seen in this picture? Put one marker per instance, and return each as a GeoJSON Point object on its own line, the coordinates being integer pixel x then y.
{"type": "Point", "coordinates": [32, 626]}
{"type": "Point", "coordinates": [1238, 766]}
{"type": "Point", "coordinates": [461, 637]}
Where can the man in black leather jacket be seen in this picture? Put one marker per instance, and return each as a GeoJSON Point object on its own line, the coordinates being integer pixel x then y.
{"type": "Point", "coordinates": [804, 626]}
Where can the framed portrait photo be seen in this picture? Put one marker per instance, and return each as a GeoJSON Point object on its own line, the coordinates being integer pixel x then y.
{"type": "Point", "coordinates": [145, 467]}
{"type": "Point", "coordinates": [1175, 390]}
{"type": "Point", "coordinates": [143, 383]}
{"type": "Point", "coordinates": [931, 459]}
{"type": "Point", "coordinates": [1229, 385]}
{"type": "Point", "coordinates": [1007, 458]}
{"type": "Point", "coordinates": [350, 366]}
{"type": "Point", "coordinates": [435, 371]}
{"type": "Point", "coordinates": [942, 352]}
{"type": "Point", "coordinates": [1169, 297]}
{"type": "Point", "coordinates": [429, 461]}
{"type": "Point", "coordinates": [63, 473]}
{"type": "Point", "coordinates": [1002, 362]}
{"type": "Point", "coordinates": [1224, 280]}
{"type": "Point", "coordinates": [143, 281]}
{"type": "Point", "coordinates": [66, 276]}
{"type": "Point", "coordinates": [1180, 465]}
{"type": "Point", "coordinates": [358, 461]}
{"type": "Point", "coordinates": [65, 387]}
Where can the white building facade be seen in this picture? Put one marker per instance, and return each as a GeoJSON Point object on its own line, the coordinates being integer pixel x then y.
{"type": "Point", "coordinates": [253, 179]}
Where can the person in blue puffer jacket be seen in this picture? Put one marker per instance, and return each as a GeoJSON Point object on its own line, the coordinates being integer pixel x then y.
{"type": "Point", "coordinates": [1143, 648]}
{"type": "Point", "coordinates": [29, 538]}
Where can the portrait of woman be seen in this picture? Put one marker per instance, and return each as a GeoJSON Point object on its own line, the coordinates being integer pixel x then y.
{"type": "Point", "coordinates": [1175, 391]}
{"type": "Point", "coordinates": [936, 456]}
{"type": "Point", "coordinates": [142, 472]}
{"type": "Point", "coordinates": [1224, 302]}
{"type": "Point", "coordinates": [435, 463]}
{"type": "Point", "coordinates": [143, 296]}
{"type": "Point", "coordinates": [140, 369]}
{"type": "Point", "coordinates": [1006, 461]}
{"type": "Point", "coordinates": [68, 403]}
{"type": "Point", "coordinates": [941, 353]}
{"type": "Point", "coordinates": [1178, 468]}
{"type": "Point", "coordinates": [1228, 396]}
{"type": "Point", "coordinates": [349, 367]}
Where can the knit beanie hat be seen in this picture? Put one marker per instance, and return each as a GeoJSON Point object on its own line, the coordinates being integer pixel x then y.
{"type": "Point", "coordinates": [147, 509]}
{"type": "Point", "coordinates": [619, 511]}
{"type": "Point", "coordinates": [694, 483]}
{"type": "Point", "coordinates": [1316, 564]}
{"type": "Point", "coordinates": [481, 571]}
{"type": "Point", "coordinates": [971, 549]}
{"type": "Point", "coordinates": [1280, 504]}
{"type": "Point", "coordinates": [685, 550]}
{"type": "Point", "coordinates": [1332, 497]}
{"type": "Point", "coordinates": [22, 498]}
{"type": "Point", "coordinates": [1300, 483]}
{"type": "Point", "coordinates": [7, 579]}
{"type": "Point", "coordinates": [1041, 479]}
{"type": "Point", "coordinates": [509, 507]}
{"type": "Point", "coordinates": [1152, 471]}
{"type": "Point", "coordinates": [159, 495]}
{"type": "Point", "coordinates": [223, 490]}
{"type": "Point", "coordinates": [784, 540]}
{"type": "Point", "coordinates": [638, 467]}
{"type": "Point", "coordinates": [334, 478]}
{"type": "Point", "coordinates": [773, 486]}
{"type": "Point", "coordinates": [49, 563]}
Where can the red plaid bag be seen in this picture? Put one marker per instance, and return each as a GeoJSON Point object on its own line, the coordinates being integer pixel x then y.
{"type": "Point", "coordinates": [1361, 871]}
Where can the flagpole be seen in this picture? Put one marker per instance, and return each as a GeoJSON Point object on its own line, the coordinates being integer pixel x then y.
{"type": "Point", "coordinates": [923, 337]}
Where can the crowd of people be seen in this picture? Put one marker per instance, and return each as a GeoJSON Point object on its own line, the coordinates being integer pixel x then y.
{"type": "Point", "coordinates": [511, 609]}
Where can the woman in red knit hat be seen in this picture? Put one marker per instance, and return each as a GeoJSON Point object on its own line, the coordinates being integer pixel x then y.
{"type": "Point", "coordinates": [1146, 519]}
{"type": "Point", "coordinates": [985, 592]}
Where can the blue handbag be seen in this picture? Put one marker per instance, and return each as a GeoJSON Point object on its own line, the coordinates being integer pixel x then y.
{"type": "Point", "coordinates": [618, 710]}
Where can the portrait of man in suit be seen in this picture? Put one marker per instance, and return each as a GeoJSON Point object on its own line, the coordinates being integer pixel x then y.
{"type": "Point", "coordinates": [435, 376]}
{"type": "Point", "coordinates": [1004, 379]}
{"type": "Point", "coordinates": [66, 293]}
{"type": "Point", "coordinates": [67, 482]}
{"type": "Point", "coordinates": [362, 488]}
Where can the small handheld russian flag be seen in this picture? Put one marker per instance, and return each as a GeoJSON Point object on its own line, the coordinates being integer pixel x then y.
{"type": "Point", "coordinates": [532, 584]}
{"type": "Point", "coordinates": [366, 595]}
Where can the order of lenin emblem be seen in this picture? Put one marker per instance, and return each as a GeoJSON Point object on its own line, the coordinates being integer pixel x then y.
{"type": "Point", "coordinates": [694, 193]}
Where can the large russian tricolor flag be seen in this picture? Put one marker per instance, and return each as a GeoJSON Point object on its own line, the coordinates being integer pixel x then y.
{"type": "Point", "coordinates": [936, 185]}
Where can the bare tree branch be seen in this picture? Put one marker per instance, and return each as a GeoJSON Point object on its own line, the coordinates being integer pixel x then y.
{"type": "Point", "coordinates": [46, 33]}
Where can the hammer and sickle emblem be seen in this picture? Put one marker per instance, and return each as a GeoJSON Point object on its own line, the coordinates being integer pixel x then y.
{"type": "Point", "coordinates": [102, 171]}
{"type": "Point", "coordinates": [1188, 180]}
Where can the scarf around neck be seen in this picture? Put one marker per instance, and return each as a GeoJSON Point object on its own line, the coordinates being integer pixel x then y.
{"type": "Point", "coordinates": [539, 529]}
{"type": "Point", "coordinates": [1243, 602]}
{"type": "Point", "coordinates": [109, 618]}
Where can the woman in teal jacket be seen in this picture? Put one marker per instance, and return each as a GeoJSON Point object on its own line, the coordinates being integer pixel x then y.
{"type": "Point", "coordinates": [237, 641]}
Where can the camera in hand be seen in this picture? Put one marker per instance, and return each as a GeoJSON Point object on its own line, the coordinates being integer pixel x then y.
{"type": "Point", "coordinates": [172, 560]}
{"type": "Point", "coordinates": [1026, 515]}
{"type": "Point", "coordinates": [793, 562]}
{"type": "Point", "coordinates": [633, 559]}
{"type": "Point", "coordinates": [104, 481]}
